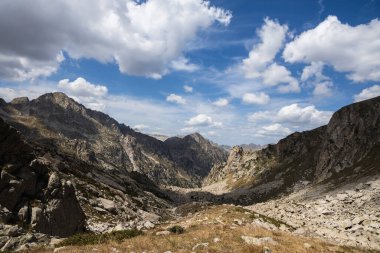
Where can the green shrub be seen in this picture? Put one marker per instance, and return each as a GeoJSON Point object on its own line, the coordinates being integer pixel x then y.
{"type": "Point", "coordinates": [93, 238]}
{"type": "Point", "coordinates": [176, 229]}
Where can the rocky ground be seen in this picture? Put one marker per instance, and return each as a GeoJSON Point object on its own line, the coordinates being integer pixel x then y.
{"type": "Point", "coordinates": [348, 215]}
{"type": "Point", "coordinates": [221, 228]}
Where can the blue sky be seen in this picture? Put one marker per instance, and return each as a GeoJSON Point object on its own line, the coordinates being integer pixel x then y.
{"type": "Point", "coordinates": [235, 71]}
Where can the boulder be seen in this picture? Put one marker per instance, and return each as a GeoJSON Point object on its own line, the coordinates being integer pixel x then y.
{"type": "Point", "coordinates": [109, 205]}
{"type": "Point", "coordinates": [61, 216]}
{"type": "Point", "coordinates": [258, 241]}
{"type": "Point", "coordinates": [10, 196]}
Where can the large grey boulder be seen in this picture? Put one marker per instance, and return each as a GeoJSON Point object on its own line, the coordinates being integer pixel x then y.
{"type": "Point", "coordinates": [62, 214]}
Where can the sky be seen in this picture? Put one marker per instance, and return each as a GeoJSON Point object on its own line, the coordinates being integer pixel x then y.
{"type": "Point", "coordinates": [237, 72]}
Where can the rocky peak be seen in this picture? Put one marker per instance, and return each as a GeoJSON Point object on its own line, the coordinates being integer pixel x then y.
{"type": "Point", "coordinates": [20, 100]}
{"type": "Point", "coordinates": [195, 153]}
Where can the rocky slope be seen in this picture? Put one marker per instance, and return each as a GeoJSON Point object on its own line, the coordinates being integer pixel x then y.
{"type": "Point", "coordinates": [348, 215]}
{"type": "Point", "coordinates": [105, 173]}
{"type": "Point", "coordinates": [55, 121]}
{"type": "Point", "coordinates": [32, 196]}
{"type": "Point", "coordinates": [344, 150]}
{"type": "Point", "coordinates": [195, 154]}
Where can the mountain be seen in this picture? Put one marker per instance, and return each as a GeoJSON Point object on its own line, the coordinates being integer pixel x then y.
{"type": "Point", "coordinates": [195, 154]}
{"type": "Point", "coordinates": [57, 121]}
{"type": "Point", "coordinates": [347, 148]}
{"type": "Point", "coordinates": [66, 169]}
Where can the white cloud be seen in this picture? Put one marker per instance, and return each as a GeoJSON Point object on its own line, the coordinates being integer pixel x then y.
{"type": "Point", "coordinates": [81, 87]}
{"type": "Point", "coordinates": [368, 93]}
{"type": "Point", "coordinates": [274, 130]}
{"type": "Point", "coordinates": [323, 89]}
{"type": "Point", "coordinates": [188, 130]}
{"type": "Point", "coordinates": [221, 102]}
{"type": "Point", "coordinates": [272, 36]}
{"type": "Point", "coordinates": [176, 99]}
{"type": "Point", "coordinates": [314, 70]}
{"type": "Point", "coordinates": [183, 64]}
{"type": "Point", "coordinates": [259, 116]}
{"type": "Point", "coordinates": [256, 98]}
{"type": "Point", "coordinates": [276, 74]}
{"type": "Point", "coordinates": [260, 63]}
{"type": "Point", "coordinates": [140, 127]}
{"type": "Point", "coordinates": [8, 93]}
{"type": "Point", "coordinates": [143, 38]}
{"type": "Point", "coordinates": [188, 88]}
{"type": "Point", "coordinates": [212, 133]}
{"type": "Point", "coordinates": [293, 116]}
{"type": "Point", "coordinates": [306, 115]}
{"type": "Point", "coordinates": [352, 49]}
{"type": "Point", "coordinates": [202, 120]}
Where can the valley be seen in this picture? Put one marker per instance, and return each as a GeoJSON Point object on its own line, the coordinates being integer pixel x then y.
{"type": "Point", "coordinates": [67, 169]}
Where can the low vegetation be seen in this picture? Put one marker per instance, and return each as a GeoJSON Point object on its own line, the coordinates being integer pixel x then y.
{"type": "Point", "coordinates": [93, 238]}
{"type": "Point", "coordinates": [176, 229]}
{"type": "Point", "coordinates": [213, 229]}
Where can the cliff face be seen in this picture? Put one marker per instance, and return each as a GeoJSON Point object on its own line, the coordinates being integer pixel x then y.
{"type": "Point", "coordinates": [351, 142]}
{"type": "Point", "coordinates": [348, 147]}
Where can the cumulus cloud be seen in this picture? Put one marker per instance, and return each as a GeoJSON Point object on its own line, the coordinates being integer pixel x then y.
{"type": "Point", "coordinates": [272, 36]}
{"type": "Point", "coordinates": [202, 120]}
{"type": "Point", "coordinates": [276, 74]}
{"type": "Point", "coordinates": [274, 130]}
{"type": "Point", "coordinates": [314, 70]}
{"type": "Point", "coordinates": [323, 89]}
{"type": "Point", "coordinates": [183, 64]}
{"type": "Point", "coordinates": [293, 116]}
{"type": "Point", "coordinates": [352, 49]}
{"type": "Point", "coordinates": [221, 102]}
{"type": "Point", "coordinates": [145, 38]}
{"type": "Point", "coordinates": [81, 87]}
{"type": "Point", "coordinates": [368, 93]}
{"type": "Point", "coordinates": [173, 98]}
{"type": "Point", "coordinates": [260, 63]}
{"type": "Point", "coordinates": [188, 88]}
{"type": "Point", "coordinates": [256, 98]}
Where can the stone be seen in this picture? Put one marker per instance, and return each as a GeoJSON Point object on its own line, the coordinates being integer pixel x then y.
{"type": "Point", "coordinates": [148, 225]}
{"type": "Point", "coordinates": [5, 214]}
{"type": "Point", "coordinates": [165, 232]}
{"type": "Point", "coordinates": [216, 240]}
{"type": "Point", "coordinates": [258, 241]}
{"type": "Point", "coordinates": [238, 222]}
{"type": "Point", "coordinates": [23, 214]}
{"type": "Point", "coordinates": [3, 240]}
{"type": "Point", "coordinates": [54, 219]}
{"type": "Point", "coordinates": [10, 245]}
{"type": "Point", "coordinates": [29, 179]}
{"type": "Point", "coordinates": [267, 250]}
{"type": "Point", "coordinates": [59, 249]}
{"type": "Point", "coordinates": [14, 231]}
{"type": "Point", "coordinates": [10, 195]}
{"type": "Point", "coordinates": [306, 245]}
{"type": "Point", "coordinates": [108, 205]}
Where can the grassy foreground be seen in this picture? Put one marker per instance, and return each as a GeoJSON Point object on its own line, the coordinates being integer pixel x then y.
{"type": "Point", "coordinates": [214, 229]}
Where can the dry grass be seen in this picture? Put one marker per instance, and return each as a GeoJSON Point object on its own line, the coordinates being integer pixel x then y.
{"type": "Point", "coordinates": [202, 228]}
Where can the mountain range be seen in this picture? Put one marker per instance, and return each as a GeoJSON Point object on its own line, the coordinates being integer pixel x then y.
{"type": "Point", "coordinates": [56, 155]}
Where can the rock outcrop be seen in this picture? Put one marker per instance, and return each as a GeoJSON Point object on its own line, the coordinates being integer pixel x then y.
{"type": "Point", "coordinates": [32, 194]}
